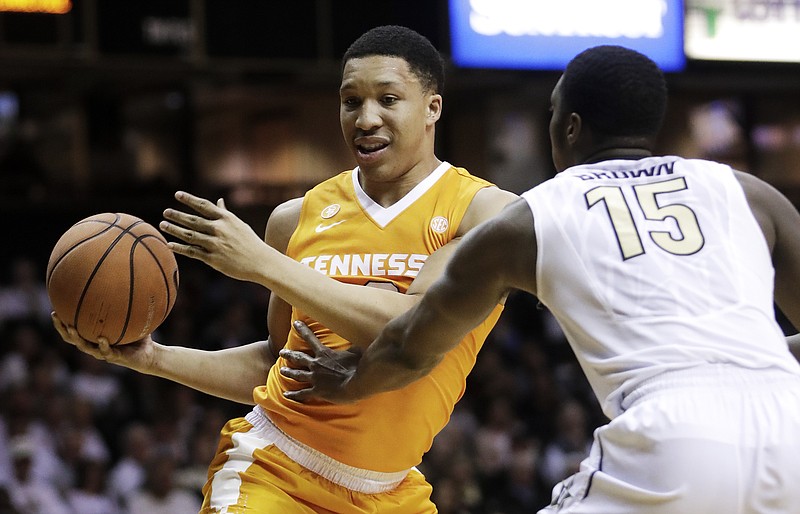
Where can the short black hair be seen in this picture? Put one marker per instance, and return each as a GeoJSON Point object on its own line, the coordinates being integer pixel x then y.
{"type": "Point", "coordinates": [616, 91]}
{"type": "Point", "coordinates": [397, 41]}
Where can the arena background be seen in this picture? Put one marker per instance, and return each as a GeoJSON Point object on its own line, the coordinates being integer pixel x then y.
{"type": "Point", "coordinates": [114, 105]}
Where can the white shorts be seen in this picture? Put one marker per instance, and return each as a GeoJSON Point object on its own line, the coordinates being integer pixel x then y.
{"type": "Point", "coordinates": [719, 440]}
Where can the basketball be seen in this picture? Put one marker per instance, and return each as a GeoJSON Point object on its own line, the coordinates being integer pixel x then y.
{"type": "Point", "coordinates": [112, 275]}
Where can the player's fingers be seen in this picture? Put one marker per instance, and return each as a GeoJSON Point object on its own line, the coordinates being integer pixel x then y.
{"type": "Point", "coordinates": [103, 346]}
{"type": "Point", "coordinates": [308, 336]}
{"type": "Point", "coordinates": [188, 235]}
{"type": "Point", "coordinates": [189, 221]}
{"type": "Point", "coordinates": [300, 396]}
{"type": "Point", "coordinates": [57, 323]}
{"type": "Point", "coordinates": [60, 327]}
{"type": "Point", "coordinates": [301, 375]}
{"type": "Point", "coordinates": [85, 346]}
{"type": "Point", "coordinates": [201, 205]}
{"type": "Point", "coordinates": [295, 358]}
{"type": "Point", "coordinates": [74, 336]}
{"type": "Point", "coordinates": [72, 333]}
{"type": "Point", "coordinates": [191, 251]}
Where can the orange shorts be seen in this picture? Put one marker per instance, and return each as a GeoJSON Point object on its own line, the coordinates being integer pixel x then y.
{"type": "Point", "coordinates": [250, 474]}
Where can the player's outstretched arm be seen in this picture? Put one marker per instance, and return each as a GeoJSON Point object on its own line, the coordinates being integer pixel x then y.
{"type": "Point", "coordinates": [495, 257]}
{"type": "Point", "coordinates": [231, 374]}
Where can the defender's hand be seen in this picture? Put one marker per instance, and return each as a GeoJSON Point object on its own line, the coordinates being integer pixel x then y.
{"type": "Point", "coordinates": [325, 371]}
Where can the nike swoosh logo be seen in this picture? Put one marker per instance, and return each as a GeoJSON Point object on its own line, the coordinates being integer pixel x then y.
{"type": "Point", "coordinates": [323, 228]}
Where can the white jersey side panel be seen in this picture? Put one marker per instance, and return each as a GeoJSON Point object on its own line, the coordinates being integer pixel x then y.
{"type": "Point", "coordinates": [655, 265]}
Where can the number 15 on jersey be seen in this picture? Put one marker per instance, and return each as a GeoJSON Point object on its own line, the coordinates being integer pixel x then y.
{"type": "Point", "coordinates": [653, 201]}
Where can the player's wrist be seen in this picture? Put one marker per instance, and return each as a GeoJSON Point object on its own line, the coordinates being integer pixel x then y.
{"type": "Point", "coordinates": [352, 389]}
{"type": "Point", "coordinates": [155, 360]}
{"type": "Point", "coordinates": [267, 267]}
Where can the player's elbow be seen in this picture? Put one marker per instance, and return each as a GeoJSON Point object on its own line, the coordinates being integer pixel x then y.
{"type": "Point", "coordinates": [409, 355]}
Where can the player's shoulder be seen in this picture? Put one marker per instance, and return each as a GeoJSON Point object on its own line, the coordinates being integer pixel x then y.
{"type": "Point", "coordinates": [493, 198]}
{"type": "Point", "coordinates": [287, 209]}
{"type": "Point", "coordinates": [761, 195]}
{"type": "Point", "coordinates": [750, 181]}
{"type": "Point", "coordinates": [486, 204]}
{"type": "Point", "coordinates": [485, 198]}
{"type": "Point", "coordinates": [755, 189]}
{"type": "Point", "coordinates": [487, 191]}
{"type": "Point", "coordinates": [464, 174]}
{"type": "Point", "coordinates": [282, 223]}
{"type": "Point", "coordinates": [339, 180]}
{"type": "Point", "coordinates": [285, 217]}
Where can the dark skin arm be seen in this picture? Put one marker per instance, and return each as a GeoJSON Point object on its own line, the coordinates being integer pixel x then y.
{"type": "Point", "coordinates": [780, 223]}
{"type": "Point", "coordinates": [415, 342]}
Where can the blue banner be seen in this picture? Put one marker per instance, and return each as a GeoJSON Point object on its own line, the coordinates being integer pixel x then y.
{"type": "Point", "coordinates": [546, 34]}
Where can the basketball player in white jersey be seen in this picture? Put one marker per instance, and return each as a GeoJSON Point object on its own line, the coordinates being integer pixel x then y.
{"type": "Point", "coordinates": [662, 272]}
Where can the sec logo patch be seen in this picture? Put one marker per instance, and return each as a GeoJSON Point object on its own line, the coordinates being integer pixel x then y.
{"type": "Point", "coordinates": [439, 224]}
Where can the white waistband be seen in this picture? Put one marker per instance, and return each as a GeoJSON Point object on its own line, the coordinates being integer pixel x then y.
{"type": "Point", "coordinates": [719, 375]}
{"type": "Point", "coordinates": [356, 479]}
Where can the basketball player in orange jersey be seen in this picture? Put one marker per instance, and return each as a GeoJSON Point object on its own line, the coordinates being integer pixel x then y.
{"type": "Point", "coordinates": [360, 248]}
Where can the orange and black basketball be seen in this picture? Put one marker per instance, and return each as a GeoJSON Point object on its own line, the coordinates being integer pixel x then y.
{"type": "Point", "coordinates": [112, 275]}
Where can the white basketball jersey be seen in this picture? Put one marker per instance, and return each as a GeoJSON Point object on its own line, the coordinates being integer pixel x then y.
{"type": "Point", "coordinates": [655, 265]}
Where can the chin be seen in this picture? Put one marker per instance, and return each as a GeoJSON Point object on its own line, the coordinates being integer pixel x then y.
{"type": "Point", "coordinates": [373, 159]}
{"type": "Point", "coordinates": [373, 170]}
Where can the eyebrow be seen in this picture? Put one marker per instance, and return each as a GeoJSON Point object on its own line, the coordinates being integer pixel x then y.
{"type": "Point", "coordinates": [385, 83]}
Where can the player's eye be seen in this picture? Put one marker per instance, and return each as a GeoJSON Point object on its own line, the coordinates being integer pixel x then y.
{"type": "Point", "coordinates": [351, 102]}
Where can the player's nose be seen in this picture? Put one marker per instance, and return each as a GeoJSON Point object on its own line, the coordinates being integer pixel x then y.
{"type": "Point", "coordinates": [369, 117]}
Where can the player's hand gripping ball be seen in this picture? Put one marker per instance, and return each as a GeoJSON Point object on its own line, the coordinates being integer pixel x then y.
{"type": "Point", "coordinates": [112, 275]}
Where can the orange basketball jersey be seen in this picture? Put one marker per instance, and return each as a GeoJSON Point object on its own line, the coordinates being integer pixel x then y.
{"type": "Point", "coordinates": [342, 233]}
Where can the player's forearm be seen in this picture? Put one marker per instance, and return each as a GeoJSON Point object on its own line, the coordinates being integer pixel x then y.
{"type": "Point", "coordinates": [411, 345]}
{"type": "Point", "coordinates": [231, 374]}
{"type": "Point", "coordinates": [389, 364]}
{"type": "Point", "coordinates": [356, 313]}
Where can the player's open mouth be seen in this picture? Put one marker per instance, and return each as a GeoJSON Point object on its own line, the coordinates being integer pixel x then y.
{"type": "Point", "coordinates": [372, 148]}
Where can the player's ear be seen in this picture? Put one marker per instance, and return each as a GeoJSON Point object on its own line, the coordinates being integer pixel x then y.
{"type": "Point", "coordinates": [434, 108]}
{"type": "Point", "coordinates": [574, 128]}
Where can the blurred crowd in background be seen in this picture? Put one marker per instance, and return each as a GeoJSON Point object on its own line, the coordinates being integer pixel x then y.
{"type": "Point", "coordinates": [79, 435]}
